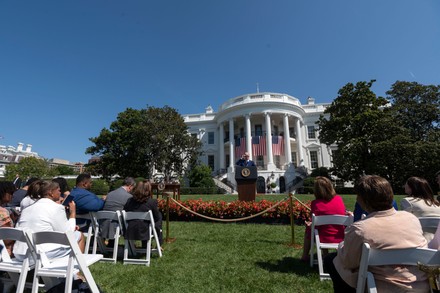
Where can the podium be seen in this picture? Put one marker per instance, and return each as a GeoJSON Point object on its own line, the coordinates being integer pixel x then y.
{"type": "Point", "coordinates": [246, 178]}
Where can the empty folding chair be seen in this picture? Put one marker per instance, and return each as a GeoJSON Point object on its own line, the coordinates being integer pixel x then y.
{"type": "Point", "coordinates": [130, 246]}
{"type": "Point", "coordinates": [64, 267]}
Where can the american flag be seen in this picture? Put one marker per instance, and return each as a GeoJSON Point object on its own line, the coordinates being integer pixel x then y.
{"type": "Point", "coordinates": [240, 147]}
{"type": "Point", "coordinates": [259, 145]}
{"type": "Point", "coordinates": [277, 145]}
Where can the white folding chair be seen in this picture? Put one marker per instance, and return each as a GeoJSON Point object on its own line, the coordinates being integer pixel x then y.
{"type": "Point", "coordinates": [16, 269]}
{"type": "Point", "coordinates": [319, 221]}
{"type": "Point", "coordinates": [64, 267]}
{"type": "Point", "coordinates": [88, 233]}
{"type": "Point", "coordinates": [130, 244]}
{"type": "Point", "coordinates": [429, 224]}
{"type": "Point", "coordinates": [97, 220]}
{"type": "Point", "coordinates": [381, 257]}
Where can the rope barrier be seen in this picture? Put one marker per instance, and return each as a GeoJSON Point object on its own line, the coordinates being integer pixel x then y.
{"type": "Point", "coordinates": [300, 202]}
{"type": "Point", "coordinates": [229, 220]}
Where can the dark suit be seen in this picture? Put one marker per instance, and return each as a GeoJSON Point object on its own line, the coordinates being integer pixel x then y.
{"type": "Point", "coordinates": [244, 163]}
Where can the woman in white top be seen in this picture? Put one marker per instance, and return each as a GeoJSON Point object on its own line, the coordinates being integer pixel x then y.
{"type": "Point", "coordinates": [421, 201]}
{"type": "Point", "coordinates": [45, 214]}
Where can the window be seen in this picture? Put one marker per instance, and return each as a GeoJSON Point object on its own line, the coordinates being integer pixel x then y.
{"type": "Point", "coordinates": [211, 162]}
{"type": "Point", "coordinates": [311, 132]}
{"type": "Point", "coordinates": [277, 161]}
{"type": "Point", "coordinates": [292, 132]}
{"type": "Point", "coordinates": [275, 130]}
{"type": "Point", "coordinates": [242, 132]}
{"type": "Point", "coordinates": [260, 161]}
{"type": "Point", "coordinates": [334, 154]}
{"type": "Point", "coordinates": [258, 130]}
{"type": "Point", "coordinates": [294, 161]}
{"type": "Point", "coordinates": [210, 137]}
{"type": "Point", "coordinates": [314, 159]}
{"type": "Point", "coordinates": [228, 160]}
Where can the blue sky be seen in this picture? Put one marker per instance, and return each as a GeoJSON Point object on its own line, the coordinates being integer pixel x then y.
{"type": "Point", "coordinates": [67, 68]}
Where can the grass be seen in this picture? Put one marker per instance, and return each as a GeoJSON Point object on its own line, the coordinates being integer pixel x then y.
{"type": "Point", "coordinates": [218, 257]}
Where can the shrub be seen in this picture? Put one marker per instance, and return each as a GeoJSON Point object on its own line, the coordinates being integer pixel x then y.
{"type": "Point", "coordinates": [100, 187]}
{"type": "Point", "coordinates": [236, 209]}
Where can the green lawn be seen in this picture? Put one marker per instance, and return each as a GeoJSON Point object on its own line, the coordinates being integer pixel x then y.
{"type": "Point", "coordinates": [218, 257]}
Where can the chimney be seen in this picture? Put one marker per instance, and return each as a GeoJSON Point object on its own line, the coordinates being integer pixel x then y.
{"type": "Point", "coordinates": [310, 101]}
{"type": "Point", "coordinates": [28, 148]}
{"type": "Point", "coordinates": [20, 147]}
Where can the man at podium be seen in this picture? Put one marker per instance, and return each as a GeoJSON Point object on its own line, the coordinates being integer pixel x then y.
{"type": "Point", "coordinates": [244, 161]}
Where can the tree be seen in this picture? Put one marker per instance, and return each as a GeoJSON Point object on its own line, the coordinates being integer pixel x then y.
{"type": "Point", "coordinates": [64, 170]}
{"type": "Point", "coordinates": [395, 138]}
{"type": "Point", "coordinates": [140, 140]}
{"type": "Point", "coordinates": [200, 176]}
{"type": "Point", "coordinates": [29, 166]}
{"type": "Point", "coordinates": [351, 122]}
{"type": "Point", "coordinates": [416, 149]}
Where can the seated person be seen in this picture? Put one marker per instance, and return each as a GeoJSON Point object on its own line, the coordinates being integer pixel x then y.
{"type": "Point", "coordinates": [358, 211]}
{"type": "Point", "coordinates": [7, 188]}
{"type": "Point", "coordinates": [383, 228]}
{"type": "Point", "coordinates": [115, 201]}
{"type": "Point", "coordinates": [46, 214]}
{"type": "Point", "coordinates": [64, 187]}
{"type": "Point", "coordinates": [326, 202]}
{"type": "Point", "coordinates": [420, 201]}
{"type": "Point", "coordinates": [143, 202]}
{"type": "Point", "coordinates": [85, 200]}
{"type": "Point", "coordinates": [245, 161]}
{"type": "Point", "coordinates": [18, 195]}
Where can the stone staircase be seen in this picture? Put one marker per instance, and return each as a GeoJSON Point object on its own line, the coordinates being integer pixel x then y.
{"type": "Point", "coordinates": [224, 187]}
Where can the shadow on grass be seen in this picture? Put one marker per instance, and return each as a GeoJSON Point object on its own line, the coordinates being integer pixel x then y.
{"type": "Point", "coordinates": [287, 265]}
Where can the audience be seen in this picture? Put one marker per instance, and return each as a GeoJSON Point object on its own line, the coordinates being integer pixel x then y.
{"type": "Point", "coordinates": [19, 194]}
{"type": "Point", "coordinates": [115, 201]}
{"type": "Point", "coordinates": [85, 200]}
{"type": "Point", "coordinates": [421, 201]}
{"type": "Point", "coordinates": [64, 187]}
{"type": "Point", "coordinates": [327, 202]}
{"type": "Point", "coordinates": [47, 215]}
{"type": "Point", "coordinates": [143, 202]}
{"type": "Point", "coordinates": [435, 242]}
{"type": "Point", "coordinates": [383, 228]}
{"type": "Point", "coordinates": [7, 188]}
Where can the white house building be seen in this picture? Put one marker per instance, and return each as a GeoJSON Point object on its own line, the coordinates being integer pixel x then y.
{"type": "Point", "coordinates": [11, 155]}
{"type": "Point", "coordinates": [279, 133]}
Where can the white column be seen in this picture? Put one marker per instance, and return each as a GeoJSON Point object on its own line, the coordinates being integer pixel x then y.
{"type": "Point", "coordinates": [231, 144]}
{"type": "Point", "coordinates": [269, 154]}
{"type": "Point", "coordinates": [248, 135]}
{"type": "Point", "coordinates": [299, 142]}
{"type": "Point", "coordinates": [221, 145]}
{"type": "Point", "coordinates": [287, 150]}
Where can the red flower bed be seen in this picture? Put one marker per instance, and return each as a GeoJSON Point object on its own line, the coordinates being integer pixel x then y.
{"type": "Point", "coordinates": [235, 210]}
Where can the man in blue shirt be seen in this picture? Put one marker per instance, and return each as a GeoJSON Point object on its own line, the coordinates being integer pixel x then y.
{"type": "Point", "coordinates": [85, 200]}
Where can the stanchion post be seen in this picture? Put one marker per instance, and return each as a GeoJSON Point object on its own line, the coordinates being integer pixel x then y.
{"type": "Point", "coordinates": [167, 225]}
{"type": "Point", "coordinates": [292, 223]}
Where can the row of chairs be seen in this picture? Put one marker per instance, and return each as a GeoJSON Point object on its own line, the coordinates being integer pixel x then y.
{"type": "Point", "coordinates": [51, 271]}
{"type": "Point", "coordinates": [120, 219]}
{"type": "Point", "coordinates": [372, 257]}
